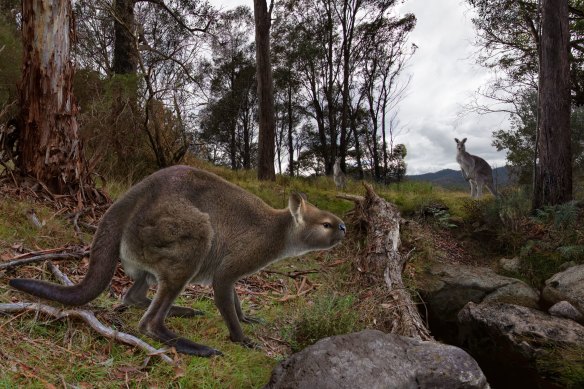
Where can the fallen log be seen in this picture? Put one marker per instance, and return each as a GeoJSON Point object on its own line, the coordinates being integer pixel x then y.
{"type": "Point", "coordinates": [383, 260]}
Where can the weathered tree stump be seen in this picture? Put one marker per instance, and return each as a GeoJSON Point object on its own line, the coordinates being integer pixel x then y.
{"type": "Point", "coordinates": [383, 260]}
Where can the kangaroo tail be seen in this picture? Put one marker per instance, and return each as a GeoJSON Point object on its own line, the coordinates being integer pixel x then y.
{"type": "Point", "coordinates": [102, 265]}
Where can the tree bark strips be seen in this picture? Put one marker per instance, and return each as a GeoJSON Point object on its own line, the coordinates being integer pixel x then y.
{"type": "Point", "coordinates": [49, 146]}
{"type": "Point", "coordinates": [382, 259]}
{"type": "Point", "coordinates": [553, 179]}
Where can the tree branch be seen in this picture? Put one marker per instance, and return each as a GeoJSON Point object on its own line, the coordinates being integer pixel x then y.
{"type": "Point", "coordinates": [43, 257]}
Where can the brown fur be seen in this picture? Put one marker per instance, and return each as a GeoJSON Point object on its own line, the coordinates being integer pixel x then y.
{"type": "Point", "coordinates": [183, 225]}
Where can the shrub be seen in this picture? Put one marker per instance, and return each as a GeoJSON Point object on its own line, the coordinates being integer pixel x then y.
{"type": "Point", "coordinates": [328, 315]}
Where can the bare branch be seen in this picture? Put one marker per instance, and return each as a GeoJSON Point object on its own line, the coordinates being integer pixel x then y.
{"type": "Point", "coordinates": [43, 257]}
{"type": "Point", "coordinates": [179, 20]}
{"type": "Point", "coordinates": [91, 320]}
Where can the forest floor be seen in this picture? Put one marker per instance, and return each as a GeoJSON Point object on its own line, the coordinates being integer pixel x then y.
{"type": "Point", "coordinates": [300, 300]}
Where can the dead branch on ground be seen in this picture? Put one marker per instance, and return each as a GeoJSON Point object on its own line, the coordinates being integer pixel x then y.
{"type": "Point", "coordinates": [382, 260]}
{"type": "Point", "coordinates": [39, 256]}
{"type": "Point", "coordinates": [91, 320]}
{"type": "Point", "coordinates": [87, 316]}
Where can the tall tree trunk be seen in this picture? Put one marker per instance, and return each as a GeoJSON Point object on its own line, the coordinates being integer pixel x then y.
{"type": "Point", "coordinates": [246, 133]}
{"type": "Point", "coordinates": [267, 130]}
{"type": "Point", "coordinates": [233, 144]}
{"type": "Point", "coordinates": [49, 146]}
{"type": "Point", "coordinates": [330, 92]}
{"type": "Point", "coordinates": [290, 132]}
{"type": "Point", "coordinates": [358, 153]}
{"type": "Point", "coordinates": [349, 14]}
{"type": "Point", "coordinates": [125, 56]}
{"type": "Point", "coordinates": [553, 181]}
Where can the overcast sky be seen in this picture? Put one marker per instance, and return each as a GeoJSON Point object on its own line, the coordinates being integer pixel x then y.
{"type": "Point", "coordinates": [444, 77]}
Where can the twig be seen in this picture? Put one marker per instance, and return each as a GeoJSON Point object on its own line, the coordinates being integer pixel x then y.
{"type": "Point", "coordinates": [293, 274]}
{"type": "Point", "coordinates": [63, 279]}
{"type": "Point", "coordinates": [33, 253]}
{"type": "Point", "coordinates": [42, 257]}
{"type": "Point", "coordinates": [90, 319]}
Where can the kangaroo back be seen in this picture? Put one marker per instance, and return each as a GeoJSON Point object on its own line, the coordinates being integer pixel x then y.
{"type": "Point", "coordinates": [102, 264]}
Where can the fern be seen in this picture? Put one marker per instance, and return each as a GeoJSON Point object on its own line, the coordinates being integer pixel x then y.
{"type": "Point", "coordinates": [561, 216]}
{"type": "Point", "coordinates": [566, 215]}
{"type": "Point", "coordinates": [571, 252]}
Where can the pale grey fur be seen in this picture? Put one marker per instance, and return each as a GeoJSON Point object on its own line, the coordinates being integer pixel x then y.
{"type": "Point", "coordinates": [475, 170]}
{"type": "Point", "coordinates": [338, 175]}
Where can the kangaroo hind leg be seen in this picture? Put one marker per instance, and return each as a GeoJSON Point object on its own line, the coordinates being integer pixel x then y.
{"type": "Point", "coordinates": [136, 297]}
{"type": "Point", "coordinates": [152, 323]}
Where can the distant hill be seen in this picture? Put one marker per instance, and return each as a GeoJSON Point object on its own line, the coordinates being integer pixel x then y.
{"type": "Point", "coordinates": [449, 178]}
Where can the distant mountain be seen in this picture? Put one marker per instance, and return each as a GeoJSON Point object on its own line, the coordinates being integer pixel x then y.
{"type": "Point", "coordinates": [449, 178]}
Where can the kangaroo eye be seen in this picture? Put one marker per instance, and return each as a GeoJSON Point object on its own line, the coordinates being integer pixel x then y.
{"type": "Point", "coordinates": [326, 225]}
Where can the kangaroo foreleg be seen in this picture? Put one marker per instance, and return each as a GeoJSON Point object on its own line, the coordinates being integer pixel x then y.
{"type": "Point", "coordinates": [224, 293]}
{"type": "Point", "coordinates": [240, 315]}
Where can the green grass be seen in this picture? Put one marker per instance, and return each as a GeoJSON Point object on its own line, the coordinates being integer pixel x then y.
{"type": "Point", "coordinates": [329, 314]}
{"type": "Point", "coordinates": [39, 351]}
{"type": "Point", "coordinates": [16, 228]}
{"type": "Point", "coordinates": [565, 366]}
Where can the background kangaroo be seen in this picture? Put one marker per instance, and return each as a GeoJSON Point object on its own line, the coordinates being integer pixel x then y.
{"type": "Point", "coordinates": [338, 175]}
{"type": "Point", "coordinates": [183, 225]}
{"type": "Point", "coordinates": [475, 170]}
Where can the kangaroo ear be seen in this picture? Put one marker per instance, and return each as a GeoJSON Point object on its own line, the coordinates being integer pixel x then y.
{"type": "Point", "coordinates": [296, 204]}
{"type": "Point", "coordinates": [456, 139]}
{"type": "Point", "coordinates": [464, 140]}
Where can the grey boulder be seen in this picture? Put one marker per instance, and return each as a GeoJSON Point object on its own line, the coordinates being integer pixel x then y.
{"type": "Point", "coordinates": [372, 359]}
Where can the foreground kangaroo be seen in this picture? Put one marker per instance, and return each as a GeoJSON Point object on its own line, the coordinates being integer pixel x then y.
{"type": "Point", "coordinates": [475, 170]}
{"type": "Point", "coordinates": [183, 225]}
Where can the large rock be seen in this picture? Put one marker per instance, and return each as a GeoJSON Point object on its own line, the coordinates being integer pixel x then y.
{"type": "Point", "coordinates": [372, 359]}
{"type": "Point", "coordinates": [447, 288]}
{"type": "Point", "coordinates": [566, 310]}
{"type": "Point", "coordinates": [508, 340]}
{"type": "Point", "coordinates": [566, 286]}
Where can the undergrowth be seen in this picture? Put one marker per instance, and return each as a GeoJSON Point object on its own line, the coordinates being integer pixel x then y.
{"type": "Point", "coordinates": [564, 366]}
{"type": "Point", "coordinates": [326, 315]}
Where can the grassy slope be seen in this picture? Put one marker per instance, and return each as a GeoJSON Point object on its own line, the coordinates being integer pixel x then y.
{"type": "Point", "coordinates": [40, 352]}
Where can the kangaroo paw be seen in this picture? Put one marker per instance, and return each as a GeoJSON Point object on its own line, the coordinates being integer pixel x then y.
{"type": "Point", "coordinates": [177, 311]}
{"type": "Point", "coordinates": [185, 346]}
{"type": "Point", "coordinates": [252, 320]}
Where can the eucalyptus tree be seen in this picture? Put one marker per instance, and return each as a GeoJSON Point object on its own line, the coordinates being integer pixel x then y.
{"type": "Point", "coordinates": [265, 89]}
{"type": "Point", "coordinates": [148, 52]}
{"type": "Point", "coordinates": [385, 52]}
{"type": "Point", "coordinates": [307, 28]}
{"type": "Point", "coordinates": [229, 120]}
{"type": "Point", "coordinates": [553, 173]}
{"type": "Point", "coordinates": [516, 41]}
{"type": "Point", "coordinates": [325, 46]}
{"type": "Point", "coordinates": [508, 41]}
{"type": "Point", "coordinates": [48, 147]}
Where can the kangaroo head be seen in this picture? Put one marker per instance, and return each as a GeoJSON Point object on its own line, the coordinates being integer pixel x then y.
{"type": "Point", "coordinates": [315, 229]}
{"type": "Point", "coordinates": [460, 144]}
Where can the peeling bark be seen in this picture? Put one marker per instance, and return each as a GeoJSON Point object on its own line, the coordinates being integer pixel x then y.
{"type": "Point", "coordinates": [382, 260]}
{"type": "Point", "coordinates": [49, 146]}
